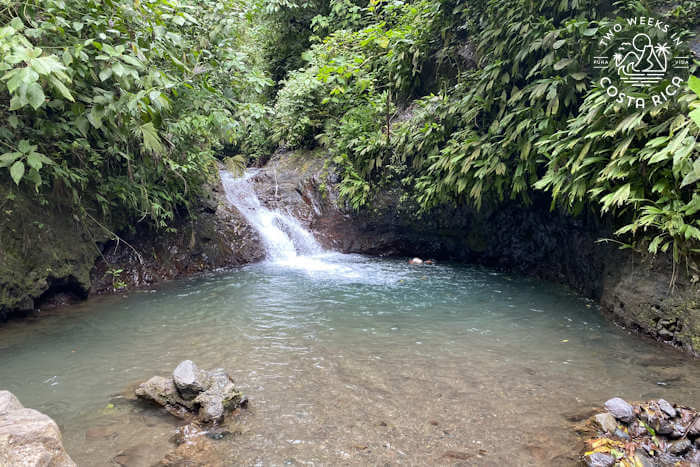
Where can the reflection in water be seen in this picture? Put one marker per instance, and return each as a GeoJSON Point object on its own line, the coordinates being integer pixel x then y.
{"type": "Point", "coordinates": [346, 359]}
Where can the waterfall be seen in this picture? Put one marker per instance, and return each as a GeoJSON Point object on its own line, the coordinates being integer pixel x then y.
{"type": "Point", "coordinates": [284, 238]}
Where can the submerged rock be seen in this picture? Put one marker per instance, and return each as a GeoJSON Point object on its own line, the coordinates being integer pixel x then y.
{"type": "Point", "coordinates": [192, 392]}
{"type": "Point", "coordinates": [28, 437]}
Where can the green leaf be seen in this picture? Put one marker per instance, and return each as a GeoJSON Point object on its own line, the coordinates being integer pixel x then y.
{"type": "Point", "coordinates": [9, 158]}
{"type": "Point", "coordinates": [562, 63]}
{"type": "Point", "coordinates": [695, 116]}
{"type": "Point", "coordinates": [60, 87]}
{"type": "Point", "coordinates": [16, 78]}
{"type": "Point", "coordinates": [151, 139]}
{"type": "Point", "coordinates": [34, 161]}
{"type": "Point", "coordinates": [35, 95]}
{"type": "Point", "coordinates": [105, 74]}
{"type": "Point", "coordinates": [17, 171]}
{"type": "Point", "coordinates": [694, 84]}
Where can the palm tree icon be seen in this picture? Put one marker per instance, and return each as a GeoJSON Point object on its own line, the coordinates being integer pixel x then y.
{"type": "Point", "coordinates": [662, 53]}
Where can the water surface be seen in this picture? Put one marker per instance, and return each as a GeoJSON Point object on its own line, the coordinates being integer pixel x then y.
{"type": "Point", "coordinates": [346, 360]}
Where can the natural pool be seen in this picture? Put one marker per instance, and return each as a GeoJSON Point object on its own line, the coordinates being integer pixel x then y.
{"type": "Point", "coordinates": [346, 360]}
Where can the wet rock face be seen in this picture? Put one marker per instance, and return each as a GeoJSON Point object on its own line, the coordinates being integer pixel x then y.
{"type": "Point", "coordinates": [192, 393]}
{"type": "Point", "coordinates": [216, 236]}
{"type": "Point", "coordinates": [43, 252]}
{"type": "Point", "coordinates": [48, 257]}
{"type": "Point", "coordinates": [655, 433]}
{"type": "Point", "coordinates": [28, 437]}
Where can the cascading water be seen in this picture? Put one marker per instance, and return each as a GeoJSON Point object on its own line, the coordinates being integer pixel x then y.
{"type": "Point", "coordinates": [283, 236]}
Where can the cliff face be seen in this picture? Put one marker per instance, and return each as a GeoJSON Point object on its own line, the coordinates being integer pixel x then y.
{"type": "Point", "coordinates": [49, 257]}
{"type": "Point", "coordinates": [42, 250]}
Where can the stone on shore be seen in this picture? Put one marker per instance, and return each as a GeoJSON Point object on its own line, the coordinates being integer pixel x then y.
{"type": "Point", "coordinates": [620, 409]}
{"type": "Point", "coordinates": [648, 434]}
{"type": "Point", "coordinates": [29, 438]}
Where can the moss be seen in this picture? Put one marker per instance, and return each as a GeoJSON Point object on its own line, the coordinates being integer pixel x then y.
{"type": "Point", "coordinates": [41, 249]}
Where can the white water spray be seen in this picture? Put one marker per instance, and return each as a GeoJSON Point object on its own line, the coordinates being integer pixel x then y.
{"type": "Point", "coordinates": [283, 236]}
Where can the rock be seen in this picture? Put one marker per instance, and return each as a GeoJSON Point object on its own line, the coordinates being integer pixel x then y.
{"type": "Point", "coordinates": [663, 427]}
{"type": "Point", "coordinates": [643, 459]}
{"type": "Point", "coordinates": [599, 459]}
{"type": "Point", "coordinates": [636, 429]}
{"type": "Point", "coordinates": [679, 447]}
{"type": "Point", "coordinates": [211, 407]}
{"type": "Point", "coordinates": [694, 428]}
{"type": "Point", "coordinates": [695, 458]}
{"type": "Point", "coordinates": [667, 407]}
{"type": "Point", "coordinates": [606, 422]}
{"type": "Point", "coordinates": [678, 430]}
{"type": "Point", "coordinates": [209, 404]}
{"type": "Point", "coordinates": [198, 451]}
{"type": "Point", "coordinates": [416, 261]}
{"type": "Point", "coordinates": [135, 456]}
{"type": "Point", "coordinates": [189, 379]}
{"type": "Point", "coordinates": [101, 432]}
{"type": "Point", "coordinates": [621, 434]}
{"type": "Point", "coordinates": [218, 434]}
{"type": "Point", "coordinates": [8, 402]}
{"type": "Point", "coordinates": [220, 396]}
{"type": "Point", "coordinates": [620, 409]}
{"type": "Point", "coordinates": [29, 438]}
{"type": "Point", "coordinates": [163, 392]}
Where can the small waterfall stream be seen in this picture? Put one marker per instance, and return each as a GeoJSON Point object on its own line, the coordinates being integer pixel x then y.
{"type": "Point", "coordinates": [284, 238]}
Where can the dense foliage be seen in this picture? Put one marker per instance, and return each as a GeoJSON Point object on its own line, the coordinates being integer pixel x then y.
{"type": "Point", "coordinates": [120, 106]}
{"type": "Point", "coordinates": [487, 101]}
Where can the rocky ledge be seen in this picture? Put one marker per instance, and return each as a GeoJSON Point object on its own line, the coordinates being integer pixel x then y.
{"type": "Point", "coordinates": [655, 433]}
{"type": "Point", "coordinates": [193, 394]}
{"type": "Point", "coordinates": [29, 438]}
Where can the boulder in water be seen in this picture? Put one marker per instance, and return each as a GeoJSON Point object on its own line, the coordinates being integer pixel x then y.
{"type": "Point", "coordinates": [189, 379]}
{"type": "Point", "coordinates": [415, 261]}
{"type": "Point", "coordinates": [163, 392]}
{"type": "Point", "coordinates": [193, 393]}
{"type": "Point", "coordinates": [28, 437]}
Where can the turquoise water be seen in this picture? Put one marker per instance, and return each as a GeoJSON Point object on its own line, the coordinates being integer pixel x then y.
{"type": "Point", "coordinates": [346, 359]}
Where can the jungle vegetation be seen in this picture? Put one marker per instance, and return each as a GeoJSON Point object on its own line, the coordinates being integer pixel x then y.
{"type": "Point", "coordinates": [123, 106]}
